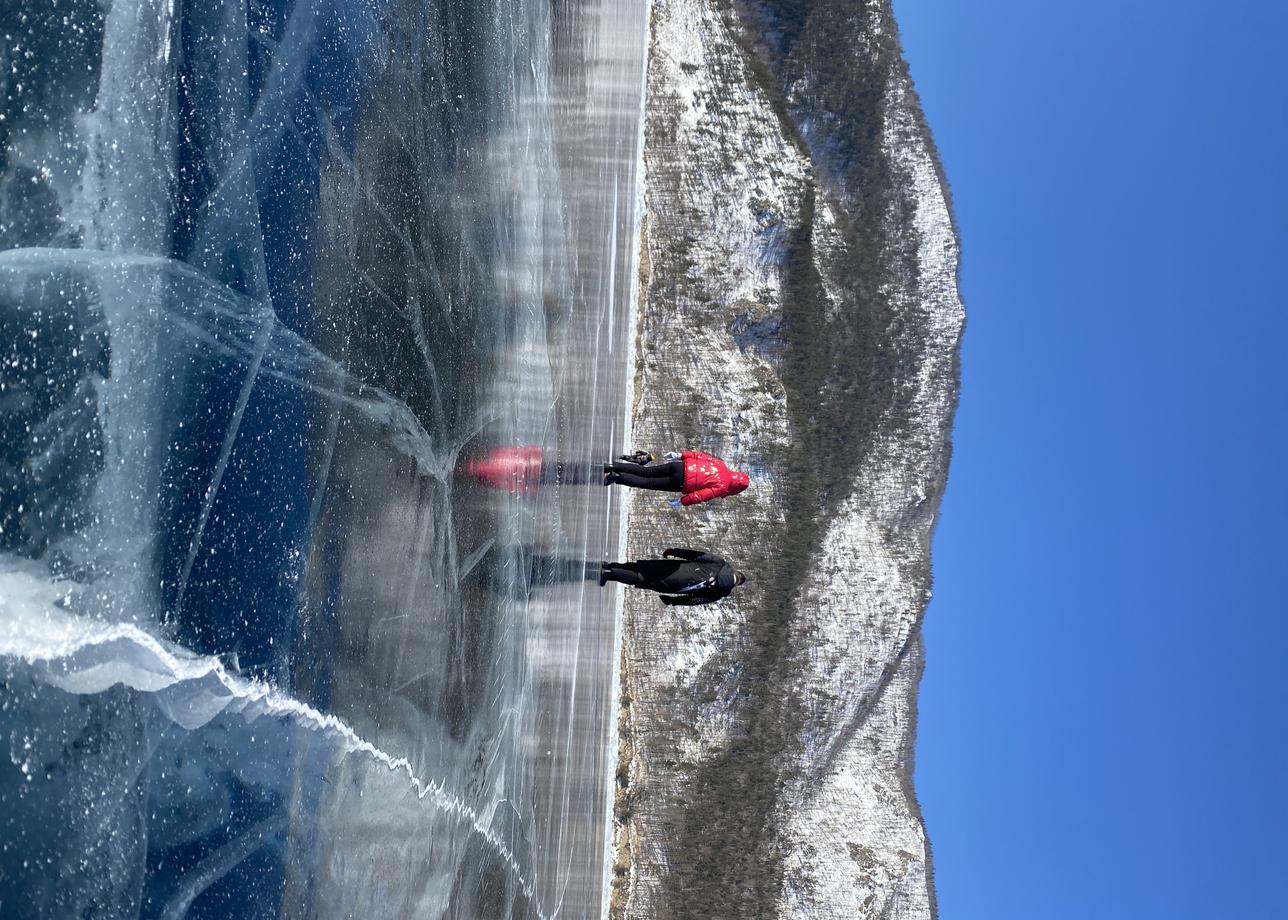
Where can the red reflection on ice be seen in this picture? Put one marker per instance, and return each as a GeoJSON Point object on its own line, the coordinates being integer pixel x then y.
{"type": "Point", "coordinates": [519, 470]}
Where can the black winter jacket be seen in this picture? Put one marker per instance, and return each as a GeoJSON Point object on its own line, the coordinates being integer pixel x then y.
{"type": "Point", "coordinates": [703, 578]}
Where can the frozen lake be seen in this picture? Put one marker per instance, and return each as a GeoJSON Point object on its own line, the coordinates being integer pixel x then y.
{"type": "Point", "coordinates": [316, 322]}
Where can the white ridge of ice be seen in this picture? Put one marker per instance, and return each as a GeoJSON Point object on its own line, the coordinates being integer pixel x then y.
{"type": "Point", "coordinates": [83, 656]}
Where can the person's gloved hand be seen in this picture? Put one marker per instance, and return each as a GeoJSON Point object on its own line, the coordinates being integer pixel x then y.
{"type": "Point", "coordinates": [674, 503]}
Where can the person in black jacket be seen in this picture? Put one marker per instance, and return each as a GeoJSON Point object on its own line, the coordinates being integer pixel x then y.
{"type": "Point", "coordinates": [685, 576]}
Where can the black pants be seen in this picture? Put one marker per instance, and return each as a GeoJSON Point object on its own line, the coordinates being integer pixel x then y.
{"type": "Point", "coordinates": [623, 572]}
{"type": "Point", "coordinates": [664, 477]}
{"type": "Point", "coordinates": [666, 575]}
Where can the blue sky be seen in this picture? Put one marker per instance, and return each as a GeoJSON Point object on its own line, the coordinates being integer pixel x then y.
{"type": "Point", "coordinates": [1102, 714]}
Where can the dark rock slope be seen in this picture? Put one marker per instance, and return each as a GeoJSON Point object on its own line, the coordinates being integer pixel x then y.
{"type": "Point", "coordinates": [799, 316]}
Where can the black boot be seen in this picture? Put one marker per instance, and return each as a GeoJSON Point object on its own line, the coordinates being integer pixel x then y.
{"type": "Point", "coordinates": [603, 574]}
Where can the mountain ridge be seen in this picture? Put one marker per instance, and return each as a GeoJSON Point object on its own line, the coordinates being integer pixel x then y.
{"type": "Point", "coordinates": [799, 316]}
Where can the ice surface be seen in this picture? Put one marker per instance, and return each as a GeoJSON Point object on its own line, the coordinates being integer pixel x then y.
{"type": "Point", "coordinates": [89, 657]}
{"type": "Point", "coordinates": [270, 274]}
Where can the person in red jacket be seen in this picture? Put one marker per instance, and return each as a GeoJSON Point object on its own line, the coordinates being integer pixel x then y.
{"type": "Point", "coordinates": [697, 476]}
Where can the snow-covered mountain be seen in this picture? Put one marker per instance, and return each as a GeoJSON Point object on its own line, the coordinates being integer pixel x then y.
{"type": "Point", "coordinates": [799, 316]}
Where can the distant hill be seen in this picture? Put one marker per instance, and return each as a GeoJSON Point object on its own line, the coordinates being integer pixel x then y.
{"type": "Point", "coordinates": [800, 317]}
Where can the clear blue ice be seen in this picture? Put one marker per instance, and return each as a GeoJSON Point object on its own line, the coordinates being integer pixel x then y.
{"type": "Point", "coordinates": [271, 274]}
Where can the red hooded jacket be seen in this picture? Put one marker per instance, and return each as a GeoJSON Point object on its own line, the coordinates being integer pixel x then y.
{"type": "Point", "coordinates": [706, 477]}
